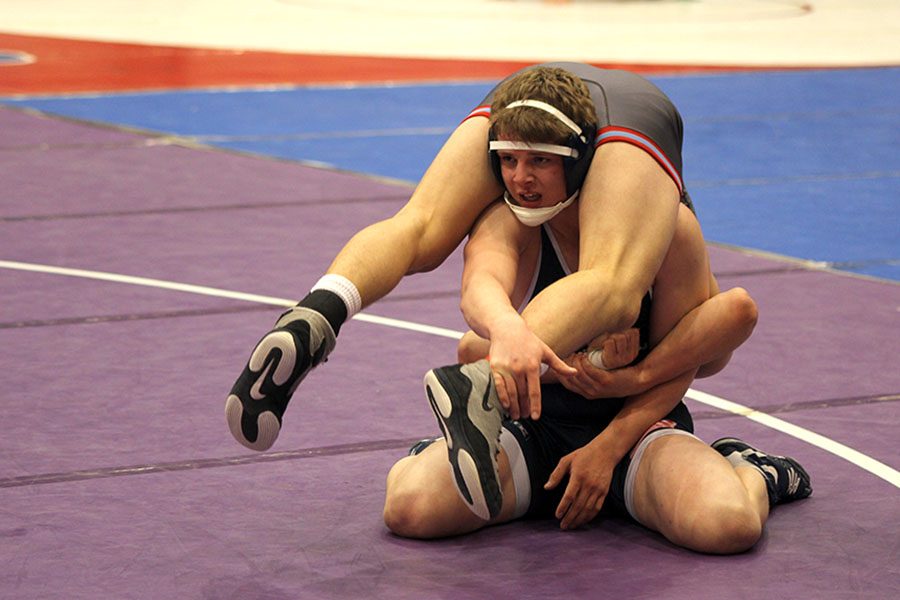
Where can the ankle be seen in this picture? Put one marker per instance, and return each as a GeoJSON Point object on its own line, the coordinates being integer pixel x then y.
{"type": "Point", "coordinates": [329, 305]}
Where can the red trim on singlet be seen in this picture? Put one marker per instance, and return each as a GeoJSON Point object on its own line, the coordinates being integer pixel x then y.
{"type": "Point", "coordinates": [636, 138]}
{"type": "Point", "coordinates": [661, 424]}
{"type": "Point", "coordinates": [481, 111]}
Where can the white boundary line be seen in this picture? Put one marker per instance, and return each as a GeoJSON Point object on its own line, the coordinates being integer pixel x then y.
{"type": "Point", "coordinates": [838, 449]}
{"type": "Point", "coordinates": [859, 459]}
{"type": "Point", "coordinates": [216, 292]}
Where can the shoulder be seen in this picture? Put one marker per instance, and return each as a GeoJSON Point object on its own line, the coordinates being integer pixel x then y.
{"type": "Point", "coordinates": [497, 224]}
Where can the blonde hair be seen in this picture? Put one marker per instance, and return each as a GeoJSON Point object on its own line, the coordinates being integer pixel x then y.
{"type": "Point", "coordinates": [557, 87]}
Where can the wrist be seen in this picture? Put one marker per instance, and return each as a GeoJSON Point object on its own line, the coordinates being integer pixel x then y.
{"type": "Point", "coordinates": [504, 322]}
{"type": "Point", "coordinates": [642, 378]}
{"type": "Point", "coordinates": [610, 444]}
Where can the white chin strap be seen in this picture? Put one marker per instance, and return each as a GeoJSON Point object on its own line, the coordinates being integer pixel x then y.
{"type": "Point", "coordinates": [533, 217]}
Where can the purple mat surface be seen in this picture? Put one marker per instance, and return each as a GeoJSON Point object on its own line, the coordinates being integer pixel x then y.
{"type": "Point", "coordinates": [819, 337]}
{"type": "Point", "coordinates": [150, 391]}
{"type": "Point", "coordinates": [44, 299]}
{"type": "Point", "coordinates": [27, 131]}
{"type": "Point", "coordinates": [58, 169]}
{"type": "Point", "coordinates": [120, 479]}
{"type": "Point", "coordinates": [297, 529]}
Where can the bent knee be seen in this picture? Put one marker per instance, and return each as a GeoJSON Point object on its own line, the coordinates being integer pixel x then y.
{"type": "Point", "coordinates": [622, 299]}
{"type": "Point", "coordinates": [728, 529]}
{"type": "Point", "coordinates": [405, 514]}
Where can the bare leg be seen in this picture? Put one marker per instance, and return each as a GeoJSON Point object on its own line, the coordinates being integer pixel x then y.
{"type": "Point", "coordinates": [690, 494]}
{"type": "Point", "coordinates": [627, 216]}
{"type": "Point", "coordinates": [456, 188]}
{"type": "Point", "coordinates": [454, 191]}
{"type": "Point", "coordinates": [472, 347]}
{"type": "Point", "coordinates": [421, 499]}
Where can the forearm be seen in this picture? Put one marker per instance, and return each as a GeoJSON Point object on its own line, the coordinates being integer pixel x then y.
{"type": "Point", "coordinates": [639, 413]}
{"type": "Point", "coordinates": [486, 306]}
{"type": "Point", "coordinates": [491, 259]}
{"type": "Point", "coordinates": [709, 333]}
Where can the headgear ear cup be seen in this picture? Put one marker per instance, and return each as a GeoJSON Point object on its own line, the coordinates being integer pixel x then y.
{"type": "Point", "coordinates": [576, 168]}
{"type": "Point", "coordinates": [494, 158]}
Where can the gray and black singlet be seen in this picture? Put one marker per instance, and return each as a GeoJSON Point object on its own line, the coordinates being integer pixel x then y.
{"type": "Point", "coordinates": [630, 109]}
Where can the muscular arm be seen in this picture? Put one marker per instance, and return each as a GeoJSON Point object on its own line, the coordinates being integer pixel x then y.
{"type": "Point", "coordinates": [703, 340]}
{"type": "Point", "coordinates": [590, 468]}
{"type": "Point", "coordinates": [681, 285]}
{"type": "Point", "coordinates": [489, 273]}
{"type": "Point", "coordinates": [705, 336]}
{"type": "Point", "coordinates": [491, 268]}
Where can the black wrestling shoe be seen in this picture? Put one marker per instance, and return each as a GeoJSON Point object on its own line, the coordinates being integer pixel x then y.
{"type": "Point", "coordinates": [786, 480]}
{"type": "Point", "coordinates": [301, 339]}
{"type": "Point", "coordinates": [465, 403]}
{"type": "Point", "coordinates": [417, 448]}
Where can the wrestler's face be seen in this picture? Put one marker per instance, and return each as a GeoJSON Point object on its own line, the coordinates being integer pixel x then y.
{"type": "Point", "coordinates": [533, 179]}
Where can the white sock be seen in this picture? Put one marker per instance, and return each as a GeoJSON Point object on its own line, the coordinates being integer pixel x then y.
{"type": "Point", "coordinates": [344, 289]}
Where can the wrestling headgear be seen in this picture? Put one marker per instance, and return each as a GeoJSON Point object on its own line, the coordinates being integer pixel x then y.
{"type": "Point", "coordinates": [577, 151]}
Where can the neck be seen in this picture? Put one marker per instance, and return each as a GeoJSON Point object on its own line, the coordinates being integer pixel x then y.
{"type": "Point", "coordinates": [565, 225]}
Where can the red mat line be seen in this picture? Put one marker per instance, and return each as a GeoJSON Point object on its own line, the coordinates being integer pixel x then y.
{"type": "Point", "coordinates": [76, 66]}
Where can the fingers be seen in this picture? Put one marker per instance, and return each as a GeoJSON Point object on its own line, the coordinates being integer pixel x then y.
{"type": "Point", "coordinates": [584, 381]}
{"type": "Point", "coordinates": [582, 512]}
{"type": "Point", "coordinates": [620, 349]}
{"type": "Point", "coordinates": [521, 395]}
{"type": "Point", "coordinates": [632, 346]}
{"type": "Point", "coordinates": [551, 359]}
{"type": "Point", "coordinates": [515, 394]}
{"type": "Point", "coordinates": [558, 473]}
{"type": "Point", "coordinates": [506, 394]}
{"type": "Point", "coordinates": [579, 504]}
{"type": "Point", "coordinates": [519, 392]}
{"type": "Point", "coordinates": [534, 394]}
{"type": "Point", "coordinates": [569, 509]}
{"type": "Point", "coordinates": [584, 494]}
{"type": "Point", "coordinates": [575, 384]}
{"type": "Point", "coordinates": [564, 510]}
